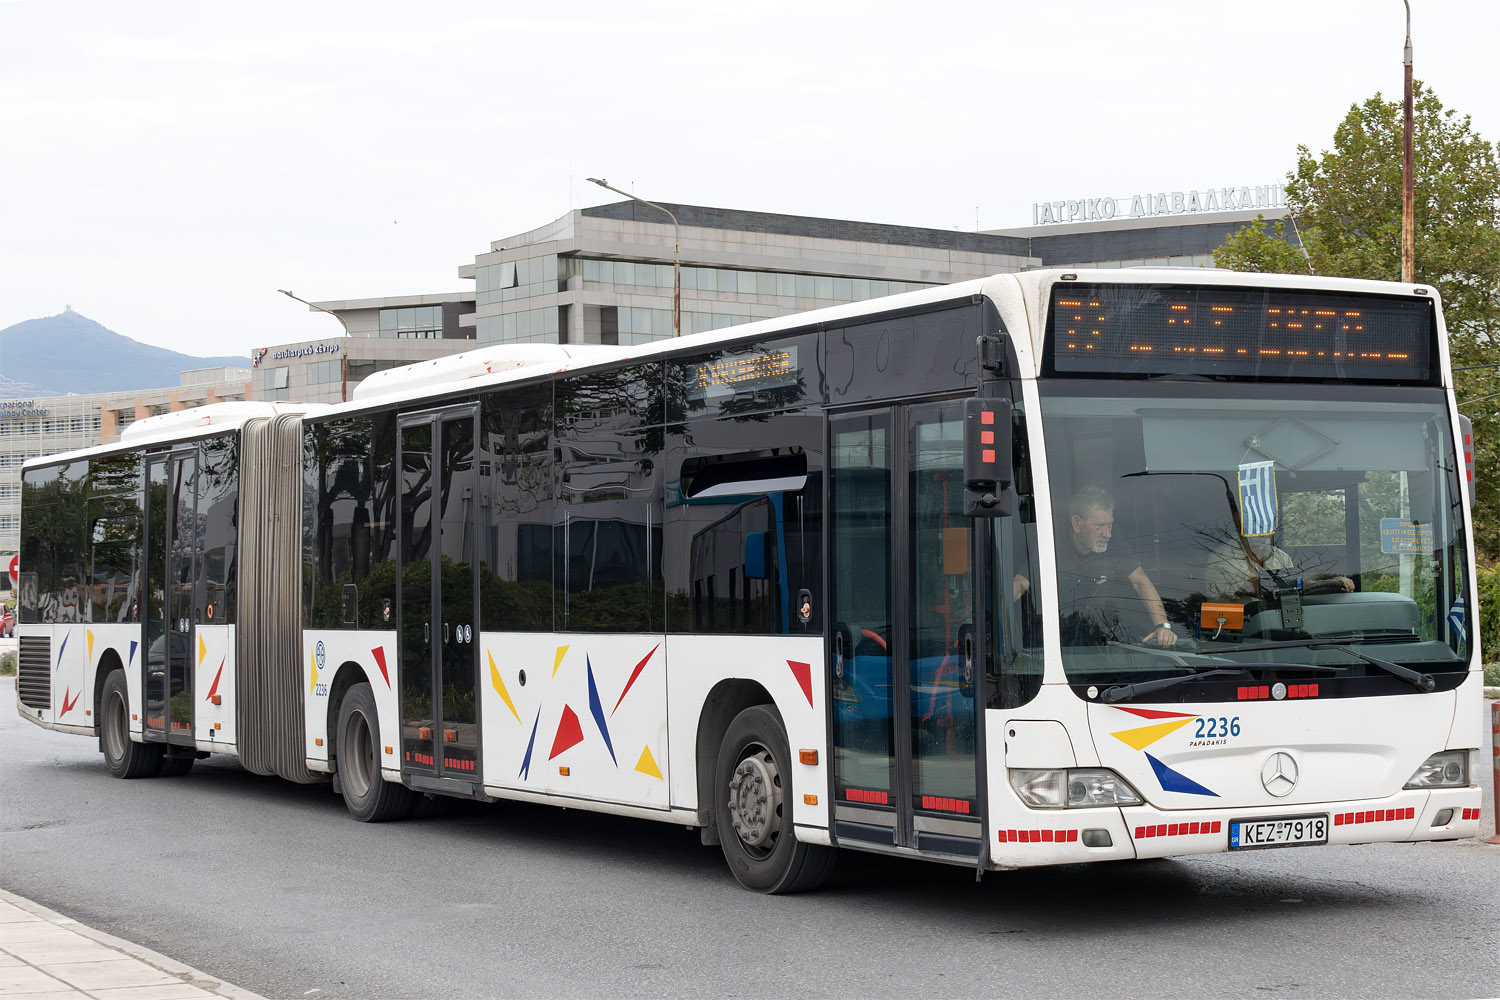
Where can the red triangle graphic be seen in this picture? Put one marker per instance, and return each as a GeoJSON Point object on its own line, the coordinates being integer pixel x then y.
{"type": "Point", "coordinates": [633, 675]}
{"type": "Point", "coordinates": [569, 733]}
{"type": "Point", "coordinates": [803, 673]}
{"type": "Point", "coordinates": [214, 687]}
{"type": "Point", "coordinates": [1152, 713]}
{"type": "Point", "coordinates": [379, 653]}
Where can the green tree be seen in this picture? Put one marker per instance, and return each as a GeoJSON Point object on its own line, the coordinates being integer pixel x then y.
{"type": "Point", "coordinates": [1263, 247]}
{"type": "Point", "coordinates": [1347, 206]}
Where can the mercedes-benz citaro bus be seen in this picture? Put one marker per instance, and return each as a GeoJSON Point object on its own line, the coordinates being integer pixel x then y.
{"type": "Point", "coordinates": [1050, 567]}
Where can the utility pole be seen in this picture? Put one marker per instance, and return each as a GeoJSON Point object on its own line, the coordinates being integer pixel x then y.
{"type": "Point", "coordinates": [1408, 185]}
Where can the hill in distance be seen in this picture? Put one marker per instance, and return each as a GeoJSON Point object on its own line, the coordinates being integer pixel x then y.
{"type": "Point", "coordinates": [71, 353]}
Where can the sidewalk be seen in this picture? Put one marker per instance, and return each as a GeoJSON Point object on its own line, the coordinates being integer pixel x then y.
{"type": "Point", "coordinates": [47, 955]}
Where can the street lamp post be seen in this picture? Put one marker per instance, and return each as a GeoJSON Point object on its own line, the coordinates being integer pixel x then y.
{"type": "Point", "coordinates": [343, 355]}
{"type": "Point", "coordinates": [1408, 183]}
{"type": "Point", "coordinates": [676, 253]}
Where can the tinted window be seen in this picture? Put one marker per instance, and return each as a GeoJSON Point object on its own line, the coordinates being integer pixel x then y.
{"type": "Point", "coordinates": [904, 355]}
{"type": "Point", "coordinates": [744, 523]}
{"type": "Point", "coordinates": [607, 535]}
{"type": "Point", "coordinates": [115, 575]}
{"type": "Point", "coordinates": [218, 525]}
{"type": "Point", "coordinates": [349, 499]}
{"type": "Point", "coordinates": [517, 478]}
{"type": "Point", "coordinates": [54, 541]}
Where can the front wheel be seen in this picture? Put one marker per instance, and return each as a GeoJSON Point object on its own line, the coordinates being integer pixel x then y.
{"type": "Point", "coordinates": [124, 757]}
{"type": "Point", "coordinates": [753, 809]}
{"type": "Point", "coordinates": [369, 797]}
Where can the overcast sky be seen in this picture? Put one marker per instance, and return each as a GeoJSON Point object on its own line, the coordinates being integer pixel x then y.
{"type": "Point", "coordinates": [166, 166]}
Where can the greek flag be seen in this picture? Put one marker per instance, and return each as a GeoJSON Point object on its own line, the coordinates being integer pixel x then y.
{"type": "Point", "coordinates": [1257, 498]}
{"type": "Point", "coordinates": [1456, 620]}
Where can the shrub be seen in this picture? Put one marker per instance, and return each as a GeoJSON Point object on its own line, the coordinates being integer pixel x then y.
{"type": "Point", "coordinates": [1487, 587]}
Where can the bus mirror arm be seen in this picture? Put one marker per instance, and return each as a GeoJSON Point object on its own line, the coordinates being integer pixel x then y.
{"type": "Point", "coordinates": [993, 502]}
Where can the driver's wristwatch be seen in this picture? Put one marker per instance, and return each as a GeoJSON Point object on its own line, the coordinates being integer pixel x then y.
{"type": "Point", "coordinates": [1166, 625]}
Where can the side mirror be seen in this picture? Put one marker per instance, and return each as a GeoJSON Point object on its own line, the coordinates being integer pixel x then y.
{"type": "Point", "coordinates": [987, 457]}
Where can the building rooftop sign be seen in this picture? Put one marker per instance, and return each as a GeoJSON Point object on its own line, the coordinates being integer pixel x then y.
{"type": "Point", "coordinates": [15, 409]}
{"type": "Point", "coordinates": [1147, 205]}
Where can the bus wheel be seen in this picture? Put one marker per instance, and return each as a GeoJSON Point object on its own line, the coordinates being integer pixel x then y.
{"type": "Point", "coordinates": [370, 798]}
{"type": "Point", "coordinates": [124, 757]}
{"type": "Point", "coordinates": [753, 809]}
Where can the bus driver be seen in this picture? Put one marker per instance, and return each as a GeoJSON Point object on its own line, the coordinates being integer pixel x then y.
{"type": "Point", "coordinates": [1090, 578]}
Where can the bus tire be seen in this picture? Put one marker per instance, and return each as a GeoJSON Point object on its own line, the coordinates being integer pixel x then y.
{"type": "Point", "coordinates": [368, 796]}
{"type": "Point", "coordinates": [124, 757]}
{"type": "Point", "coordinates": [753, 808]}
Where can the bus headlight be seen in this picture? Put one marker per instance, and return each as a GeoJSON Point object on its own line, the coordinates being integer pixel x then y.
{"type": "Point", "coordinates": [1449, 769]}
{"type": "Point", "coordinates": [1073, 788]}
{"type": "Point", "coordinates": [1099, 786]}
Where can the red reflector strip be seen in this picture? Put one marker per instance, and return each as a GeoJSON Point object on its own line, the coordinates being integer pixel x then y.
{"type": "Point", "coordinates": [987, 456]}
{"type": "Point", "coordinates": [1375, 816]}
{"type": "Point", "coordinates": [1037, 836]}
{"type": "Point", "coordinates": [1254, 693]}
{"type": "Point", "coordinates": [987, 417]}
{"type": "Point", "coordinates": [1302, 691]}
{"type": "Point", "coordinates": [867, 795]}
{"type": "Point", "coordinates": [938, 804]}
{"type": "Point", "coordinates": [1471, 814]}
{"type": "Point", "coordinates": [1178, 829]}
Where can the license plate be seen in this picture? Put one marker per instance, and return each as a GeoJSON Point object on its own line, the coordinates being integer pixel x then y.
{"type": "Point", "coordinates": [1292, 831]}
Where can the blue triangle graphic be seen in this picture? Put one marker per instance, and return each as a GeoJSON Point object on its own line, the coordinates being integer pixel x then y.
{"type": "Point", "coordinates": [62, 647]}
{"type": "Point", "coordinates": [598, 711]}
{"type": "Point", "coordinates": [133, 644]}
{"type": "Point", "coordinates": [1173, 781]}
{"type": "Point", "coordinates": [526, 764]}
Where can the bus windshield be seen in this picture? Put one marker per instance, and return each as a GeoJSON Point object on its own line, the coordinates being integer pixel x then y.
{"type": "Point", "coordinates": [1274, 527]}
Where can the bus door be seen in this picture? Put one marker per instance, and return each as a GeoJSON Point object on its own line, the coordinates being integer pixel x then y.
{"type": "Point", "coordinates": [902, 599]}
{"type": "Point", "coordinates": [167, 621]}
{"type": "Point", "coordinates": [438, 599]}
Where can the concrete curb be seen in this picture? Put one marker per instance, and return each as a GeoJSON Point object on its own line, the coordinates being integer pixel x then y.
{"type": "Point", "coordinates": [187, 974]}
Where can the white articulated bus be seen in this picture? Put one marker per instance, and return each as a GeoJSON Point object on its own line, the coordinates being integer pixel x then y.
{"type": "Point", "coordinates": [1044, 568]}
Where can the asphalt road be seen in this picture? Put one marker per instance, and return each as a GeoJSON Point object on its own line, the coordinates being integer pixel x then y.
{"type": "Point", "coordinates": [272, 887]}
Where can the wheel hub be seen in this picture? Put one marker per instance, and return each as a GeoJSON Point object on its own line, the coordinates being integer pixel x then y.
{"type": "Point", "coordinates": [755, 799]}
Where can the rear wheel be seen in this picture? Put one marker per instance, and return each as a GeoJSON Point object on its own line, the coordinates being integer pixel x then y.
{"type": "Point", "coordinates": [124, 757]}
{"type": "Point", "coordinates": [753, 809]}
{"type": "Point", "coordinates": [369, 797]}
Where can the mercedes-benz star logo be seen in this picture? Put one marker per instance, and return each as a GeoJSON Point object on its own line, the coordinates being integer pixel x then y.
{"type": "Point", "coordinates": [1279, 774]}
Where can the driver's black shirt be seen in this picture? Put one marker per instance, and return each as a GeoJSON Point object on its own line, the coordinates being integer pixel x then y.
{"type": "Point", "coordinates": [1097, 600]}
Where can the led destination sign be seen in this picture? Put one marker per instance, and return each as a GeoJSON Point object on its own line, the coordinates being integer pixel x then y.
{"type": "Point", "coordinates": [748, 373]}
{"type": "Point", "coordinates": [1275, 333]}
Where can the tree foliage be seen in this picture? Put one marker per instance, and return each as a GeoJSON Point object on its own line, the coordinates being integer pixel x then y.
{"type": "Point", "coordinates": [1347, 206]}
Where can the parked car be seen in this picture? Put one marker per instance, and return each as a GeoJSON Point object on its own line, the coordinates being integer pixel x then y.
{"type": "Point", "coordinates": [7, 623]}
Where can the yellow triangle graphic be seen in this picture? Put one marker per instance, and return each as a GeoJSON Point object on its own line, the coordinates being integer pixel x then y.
{"type": "Point", "coordinates": [647, 764]}
{"type": "Point", "coordinates": [1140, 739]}
{"type": "Point", "coordinates": [500, 686]}
{"type": "Point", "coordinates": [90, 633]}
{"type": "Point", "coordinates": [561, 652]}
{"type": "Point", "coordinates": [202, 650]}
{"type": "Point", "coordinates": [313, 659]}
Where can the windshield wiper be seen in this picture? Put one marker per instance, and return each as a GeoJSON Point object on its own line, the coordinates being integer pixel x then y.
{"type": "Point", "coordinates": [1418, 680]}
{"type": "Point", "coordinates": [1122, 691]}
